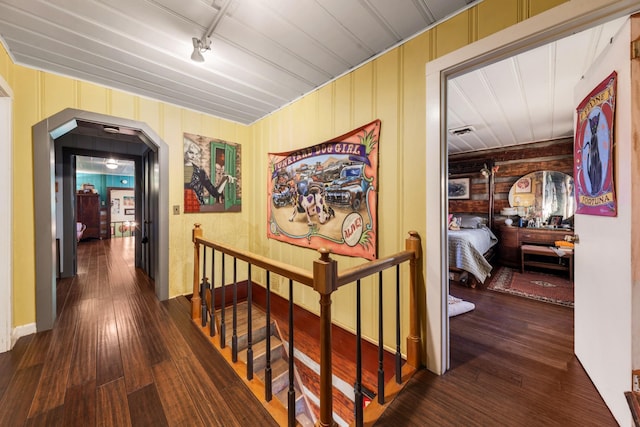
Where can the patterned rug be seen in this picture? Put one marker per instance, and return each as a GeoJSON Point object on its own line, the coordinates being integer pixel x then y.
{"type": "Point", "coordinates": [540, 286]}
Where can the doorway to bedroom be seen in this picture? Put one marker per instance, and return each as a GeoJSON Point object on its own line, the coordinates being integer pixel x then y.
{"type": "Point", "coordinates": [510, 172]}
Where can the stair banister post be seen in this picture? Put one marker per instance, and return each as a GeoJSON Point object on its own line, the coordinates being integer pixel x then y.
{"type": "Point", "coordinates": [325, 277]}
{"type": "Point", "coordinates": [413, 244]}
{"type": "Point", "coordinates": [195, 299]}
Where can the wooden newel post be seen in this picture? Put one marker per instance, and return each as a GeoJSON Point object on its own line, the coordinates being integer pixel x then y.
{"type": "Point", "coordinates": [195, 299]}
{"type": "Point", "coordinates": [413, 244]}
{"type": "Point", "coordinates": [325, 276]}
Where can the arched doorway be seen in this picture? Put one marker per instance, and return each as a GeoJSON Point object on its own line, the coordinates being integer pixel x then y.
{"type": "Point", "coordinates": [154, 156]}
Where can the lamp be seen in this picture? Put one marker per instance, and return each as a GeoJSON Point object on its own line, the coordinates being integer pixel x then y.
{"type": "Point", "coordinates": [203, 44]}
{"type": "Point", "coordinates": [111, 164]}
{"type": "Point", "coordinates": [485, 171]}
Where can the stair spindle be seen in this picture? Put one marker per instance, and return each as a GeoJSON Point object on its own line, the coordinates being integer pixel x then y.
{"type": "Point", "coordinates": [267, 368]}
{"type": "Point", "coordinates": [398, 355]}
{"type": "Point", "coordinates": [223, 325]}
{"type": "Point", "coordinates": [380, 343]}
{"type": "Point", "coordinates": [212, 323]}
{"type": "Point", "coordinates": [234, 335]}
{"type": "Point", "coordinates": [203, 289]}
{"type": "Point", "coordinates": [291, 394]}
{"type": "Point", "coordinates": [358, 386]}
{"type": "Point", "coordinates": [249, 328]}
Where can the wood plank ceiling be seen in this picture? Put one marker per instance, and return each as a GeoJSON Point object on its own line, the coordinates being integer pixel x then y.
{"type": "Point", "coordinates": [264, 54]}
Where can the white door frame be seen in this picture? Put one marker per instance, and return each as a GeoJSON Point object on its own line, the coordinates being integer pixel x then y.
{"type": "Point", "coordinates": [6, 215]}
{"type": "Point", "coordinates": [555, 23]}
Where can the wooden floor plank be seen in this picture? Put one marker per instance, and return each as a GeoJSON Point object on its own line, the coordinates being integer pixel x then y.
{"type": "Point", "coordinates": [108, 355]}
{"type": "Point", "coordinates": [145, 407]}
{"type": "Point", "coordinates": [80, 405]}
{"type": "Point", "coordinates": [83, 359]}
{"type": "Point", "coordinates": [16, 401]}
{"type": "Point", "coordinates": [177, 402]}
{"type": "Point", "coordinates": [112, 405]}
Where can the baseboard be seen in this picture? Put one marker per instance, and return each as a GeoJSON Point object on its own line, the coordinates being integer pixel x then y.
{"type": "Point", "coordinates": [22, 331]}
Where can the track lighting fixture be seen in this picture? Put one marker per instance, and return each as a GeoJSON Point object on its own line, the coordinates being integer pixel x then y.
{"type": "Point", "coordinates": [203, 44]}
{"type": "Point", "coordinates": [199, 47]}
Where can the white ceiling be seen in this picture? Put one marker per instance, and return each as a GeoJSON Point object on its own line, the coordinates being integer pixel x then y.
{"type": "Point", "coordinates": [526, 98]}
{"type": "Point", "coordinates": [264, 54]}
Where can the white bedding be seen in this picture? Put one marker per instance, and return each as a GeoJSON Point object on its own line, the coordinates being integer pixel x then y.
{"type": "Point", "coordinates": [466, 249]}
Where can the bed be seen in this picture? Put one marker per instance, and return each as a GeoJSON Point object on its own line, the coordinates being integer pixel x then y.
{"type": "Point", "coordinates": [471, 245]}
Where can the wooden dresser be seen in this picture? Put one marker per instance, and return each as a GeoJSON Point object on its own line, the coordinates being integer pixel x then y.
{"type": "Point", "coordinates": [511, 238]}
{"type": "Point", "coordinates": [88, 213]}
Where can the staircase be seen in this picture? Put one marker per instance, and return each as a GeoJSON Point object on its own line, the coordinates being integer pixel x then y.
{"type": "Point", "coordinates": [279, 356]}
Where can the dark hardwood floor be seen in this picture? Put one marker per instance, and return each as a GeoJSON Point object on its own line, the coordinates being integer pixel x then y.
{"type": "Point", "coordinates": [118, 357]}
{"type": "Point", "coordinates": [512, 364]}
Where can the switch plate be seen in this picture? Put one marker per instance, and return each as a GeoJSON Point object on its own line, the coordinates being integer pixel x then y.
{"type": "Point", "coordinates": [176, 209]}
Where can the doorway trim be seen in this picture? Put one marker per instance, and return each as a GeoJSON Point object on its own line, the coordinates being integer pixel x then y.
{"type": "Point", "coordinates": [44, 134]}
{"type": "Point", "coordinates": [560, 21]}
{"type": "Point", "coordinates": [6, 216]}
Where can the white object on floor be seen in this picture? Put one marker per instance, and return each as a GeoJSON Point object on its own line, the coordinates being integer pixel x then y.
{"type": "Point", "coordinates": [458, 306]}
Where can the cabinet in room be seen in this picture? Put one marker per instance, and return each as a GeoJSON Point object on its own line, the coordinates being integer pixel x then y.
{"type": "Point", "coordinates": [88, 213]}
{"type": "Point", "coordinates": [510, 239]}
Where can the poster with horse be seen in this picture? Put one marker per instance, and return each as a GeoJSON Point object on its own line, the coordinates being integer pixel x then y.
{"type": "Point", "coordinates": [593, 151]}
{"type": "Point", "coordinates": [326, 195]}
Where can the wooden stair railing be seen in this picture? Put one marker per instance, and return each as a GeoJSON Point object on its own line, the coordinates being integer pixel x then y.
{"type": "Point", "coordinates": [324, 279]}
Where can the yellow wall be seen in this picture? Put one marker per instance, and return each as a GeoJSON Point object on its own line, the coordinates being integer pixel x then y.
{"type": "Point", "coordinates": [38, 95]}
{"type": "Point", "coordinates": [391, 88]}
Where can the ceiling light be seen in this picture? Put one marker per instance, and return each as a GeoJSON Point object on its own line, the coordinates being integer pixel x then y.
{"type": "Point", "coordinates": [203, 44]}
{"type": "Point", "coordinates": [111, 129]}
{"type": "Point", "coordinates": [111, 164]}
{"type": "Point", "coordinates": [199, 47]}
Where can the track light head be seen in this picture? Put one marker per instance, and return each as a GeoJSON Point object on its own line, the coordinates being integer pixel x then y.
{"type": "Point", "coordinates": [199, 47]}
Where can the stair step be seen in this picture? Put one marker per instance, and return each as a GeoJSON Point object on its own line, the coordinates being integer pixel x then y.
{"type": "Point", "coordinates": [283, 396]}
{"type": "Point", "coordinates": [258, 323]}
{"type": "Point", "coordinates": [304, 420]}
{"type": "Point", "coordinates": [260, 353]}
{"type": "Point", "coordinates": [279, 375]}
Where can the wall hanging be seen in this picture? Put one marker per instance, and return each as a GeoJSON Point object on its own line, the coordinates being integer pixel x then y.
{"type": "Point", "coordinates": [593, 151]}
{"type": "Point", "coordinates": [212, 175]}
{"type": "Point", "coordinates": [326, 195]}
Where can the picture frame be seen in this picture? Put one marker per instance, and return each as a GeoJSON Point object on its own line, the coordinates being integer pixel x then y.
{"type": "Point", "coordinates": [523, 185]}
{"type": "Point", "coordinates": [555, 220]}
{"type": "Point", "coordinates": [459, 188]}
{"type": "Point", "coordinates": [129, 211]}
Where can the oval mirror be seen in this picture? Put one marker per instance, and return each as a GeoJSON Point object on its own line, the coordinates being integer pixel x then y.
{"type": "Point", "coordinates": [544, 194]}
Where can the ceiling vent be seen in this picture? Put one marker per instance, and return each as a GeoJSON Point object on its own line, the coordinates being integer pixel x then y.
{"type": "Point", "coordinates": [462, 130]}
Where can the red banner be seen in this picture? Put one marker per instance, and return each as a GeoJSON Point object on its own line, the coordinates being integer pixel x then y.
{"type": "Point", "coordinates": [593, 151]}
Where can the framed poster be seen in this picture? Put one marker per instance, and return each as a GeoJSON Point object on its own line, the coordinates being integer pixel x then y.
{"type": "Point", "coordinates": [459, 188]}
{"type": "Point", "coordinates": [593, 151]}
{"type": "Point", "coordinates": [325, 195]}
{"type": "Point", "coordinates": [523, 185]}
{"type": "Point", "coordinates": [212, 175]}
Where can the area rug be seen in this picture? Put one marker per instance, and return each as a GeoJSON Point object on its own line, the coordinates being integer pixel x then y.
{"type": "Point", "coordinates": [540, 286]}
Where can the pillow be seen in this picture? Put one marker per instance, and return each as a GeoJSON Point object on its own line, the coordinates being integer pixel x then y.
{"type": "Point", "coordinates": [471, 221]}
{"type": "Point", "coordinates": [454, 222]}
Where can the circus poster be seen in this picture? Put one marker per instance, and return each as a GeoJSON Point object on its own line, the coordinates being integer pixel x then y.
{"type": "Point", "coordinates": [212, 175]}
{"type": "Point", "coordinates": [326, 195]}
{"type": "Point", "coordinates": [593, 151]}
